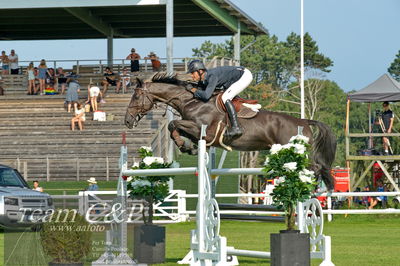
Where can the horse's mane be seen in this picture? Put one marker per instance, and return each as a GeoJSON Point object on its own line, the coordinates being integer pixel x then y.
{"type": "Point", "coordinates": [171, 78]}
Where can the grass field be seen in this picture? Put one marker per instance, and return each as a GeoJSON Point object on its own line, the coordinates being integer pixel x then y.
{"type": "Point", "coordinates": [356, 240]}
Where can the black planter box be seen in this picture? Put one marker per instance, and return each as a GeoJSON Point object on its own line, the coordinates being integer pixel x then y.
{"type": "Point", "coordinates": [65, 264]}
{"type": "Point", "coordinates": [290, 248]}
{"type": "Point", "coordinates": [149, 244]}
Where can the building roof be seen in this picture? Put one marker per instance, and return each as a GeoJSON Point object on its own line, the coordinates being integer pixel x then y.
{"type": "Point", "coordinates": [383, 89]}
{"type": "Point", "coordinates": [89, 19]}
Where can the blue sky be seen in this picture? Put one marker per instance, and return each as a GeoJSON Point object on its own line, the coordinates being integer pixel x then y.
{"type": "Point", "coordinates": [360, 36]}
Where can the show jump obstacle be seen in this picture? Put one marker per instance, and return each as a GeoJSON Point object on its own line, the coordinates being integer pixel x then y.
{"type": "Point", "coordinates": [207, 246]}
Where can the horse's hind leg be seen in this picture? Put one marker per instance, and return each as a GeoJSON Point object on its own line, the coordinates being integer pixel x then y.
{"type": "Point", "coordinates": [184, 128]}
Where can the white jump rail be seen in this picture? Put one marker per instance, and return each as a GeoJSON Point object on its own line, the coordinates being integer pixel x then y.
{"type": "Point", "coordinates": [330, 211]}
{"type": "Point", "coordinates": [207, 246]}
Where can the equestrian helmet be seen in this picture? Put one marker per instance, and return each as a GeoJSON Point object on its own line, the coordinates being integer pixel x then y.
{"type": "Point", "coordinates": [196, 65]}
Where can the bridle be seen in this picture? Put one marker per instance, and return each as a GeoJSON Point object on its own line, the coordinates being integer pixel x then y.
{"type": "Point", "coordinates": [140, 107]}
{"type": "Point", "coordinates": [143, 92]}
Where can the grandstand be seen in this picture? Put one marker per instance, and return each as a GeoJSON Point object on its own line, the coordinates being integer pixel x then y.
{"type": "Point", "coordinates": [36, 136]}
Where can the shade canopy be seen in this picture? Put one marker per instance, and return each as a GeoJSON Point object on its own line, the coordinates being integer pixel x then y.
{"type": "Point", "coordinates": [90, 19]}
{"type": "Point", "coordinates": [383, 89]}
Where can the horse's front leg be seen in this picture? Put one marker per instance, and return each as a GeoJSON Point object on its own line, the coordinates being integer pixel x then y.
{"type": "Point", "coordinates": [183, 132]}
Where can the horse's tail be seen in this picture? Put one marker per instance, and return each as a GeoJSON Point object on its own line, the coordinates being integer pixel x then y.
{"type": "Point", "coordinates": [324, 150]}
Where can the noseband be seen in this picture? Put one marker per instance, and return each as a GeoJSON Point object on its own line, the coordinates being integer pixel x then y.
{"type": "Point", "coordinates": [140, 107]}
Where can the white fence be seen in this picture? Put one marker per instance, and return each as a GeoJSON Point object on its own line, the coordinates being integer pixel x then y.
{"type": "Point", "coordinates": [175, 208]}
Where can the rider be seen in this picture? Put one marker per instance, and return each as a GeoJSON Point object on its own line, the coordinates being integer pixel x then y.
{"type": "Point", "coordinates": [232, 79]}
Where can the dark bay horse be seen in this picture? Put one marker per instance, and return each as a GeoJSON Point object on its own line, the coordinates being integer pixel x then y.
{"type": "Point", "coordinates": [260, 132]}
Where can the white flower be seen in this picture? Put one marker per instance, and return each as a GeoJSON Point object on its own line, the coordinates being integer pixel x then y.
{"type": "Point", "coordinates": [135, 164]}
{"type": "Point", "coordinates": [299, 138]}
{"type": "Point", "coordinates": [299, 148]}
{"type": "Point", "coordinates": [275, 148]}
{"type": "Point", "coordinates": [150, 159]}
{"type": "Point", "coordinates": [279, 180]}
{"type": "Point", "coordinates": [129, 179]}
{"type": "Point", "coordinates": [266, 161]}
{"type": "Point", "coordinates": [140, 183]}
{"type": "Point", "coordinates": [306, 175]}
{"type": "Point", "coordinates": [146, 148]}
{"type": "Point", "coordinates": [290, 166]}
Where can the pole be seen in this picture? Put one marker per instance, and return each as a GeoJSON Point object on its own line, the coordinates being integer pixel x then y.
{"type": "Point", "coordinates": [236, 44]}
{"type": "Point", "coordinates": [170, 64]}
{"type": "Point", "coordinates": [302, 59]}
{"type": "Point", "coordinates": [110, 49]}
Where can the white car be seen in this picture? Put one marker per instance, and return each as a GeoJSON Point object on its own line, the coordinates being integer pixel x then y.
{"type": "Point", "coordinates": [20, 206]}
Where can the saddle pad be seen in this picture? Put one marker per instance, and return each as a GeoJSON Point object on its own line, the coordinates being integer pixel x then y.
{"type": "Point", "coordinates": [246, 113]}
{"type": "Point", "coordinates": [240, 106]}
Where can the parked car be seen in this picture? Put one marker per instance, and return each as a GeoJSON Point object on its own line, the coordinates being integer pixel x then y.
{"type": "Point", "coordinates": [20, 206]}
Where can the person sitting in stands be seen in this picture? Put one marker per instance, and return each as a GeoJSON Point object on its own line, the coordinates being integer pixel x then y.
{"type": "Point", "coordinates": [155, 62]}
{"type": "Point", "coordinates": [79, 117]}
{"type": "Point", "coordinates": [110, 79]}
{"type": "Point", "coordinates": [381, 188]}
{"type": "Point", "coordinates": [50, 81]}
{"type": "Point", "coordinates": [125, 79]}
{"type": "Point", "coordinates": [61, 79]}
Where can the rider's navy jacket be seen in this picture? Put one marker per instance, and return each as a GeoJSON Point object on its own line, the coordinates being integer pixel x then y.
{"type": "Point", "coordinates": [220, 77]}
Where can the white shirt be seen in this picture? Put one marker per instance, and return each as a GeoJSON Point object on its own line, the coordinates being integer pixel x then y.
{"type": "Point", "coordinates": [13, 65]}
{"type": "Point", "coordinates": [38, 189]}
{"type": "Point", "coordinates": [80, 111]}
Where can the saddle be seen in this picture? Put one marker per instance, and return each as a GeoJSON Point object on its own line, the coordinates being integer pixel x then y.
{"type": "Point", "coordinates": [244, 108]}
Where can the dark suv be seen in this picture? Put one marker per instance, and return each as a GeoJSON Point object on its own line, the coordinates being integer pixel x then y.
{"type": "Point", "coordinates": [19, 204]}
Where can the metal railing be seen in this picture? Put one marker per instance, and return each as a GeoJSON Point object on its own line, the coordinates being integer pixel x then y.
{"type": "Point", "coordinates": [97, 65]}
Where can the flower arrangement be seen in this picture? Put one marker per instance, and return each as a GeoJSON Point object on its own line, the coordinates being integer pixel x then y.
{"type": "Point", "coordinates": [288, 164]}
{"type": "Point", "coordinates": [153, 189]}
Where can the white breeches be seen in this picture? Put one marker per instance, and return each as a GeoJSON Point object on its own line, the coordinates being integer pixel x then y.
{"type": "Point", "coordinates": [238, 86]}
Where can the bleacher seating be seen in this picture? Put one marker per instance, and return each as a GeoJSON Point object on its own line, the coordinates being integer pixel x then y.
{"type": "Point", "coordinates": [35, 136]}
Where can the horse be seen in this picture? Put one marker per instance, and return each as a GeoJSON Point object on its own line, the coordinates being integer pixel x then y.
{"type": "Point", "coordinates": [259, 133]}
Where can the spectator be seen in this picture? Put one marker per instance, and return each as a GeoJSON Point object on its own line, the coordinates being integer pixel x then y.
{"type": "Point", "coordinates": [5, 63]}
{"type": "Point", "coordinates": [110, 79]}
{"type": "Point", "coordinates": [134, 57]}
{"type": "Point", "coordinates": [50, 81]}
{"type": "Point", "coordinates": [366, 199]}
{"type": "Point", "coordinates": [30, 71]}
{"type": "Point", "coordinates": [42, 70]}
{"type": "Point", "coordinates": [92, 184]}
{"type": "Point", "coordinates": [37, 82]}
{"type": "Point", "coordinates": [13, 59]}
{"type": "Point", "coordinates": [79, 117]}
{"type": "Point", "coordinates": [155, 62]}
{"type": "Point", "coordinates": [358, 199]}
{"type": "Point", "coordinates": [61, 79]}
{"type": "Point", "coordinates": [72, 96]}
{"type": "Point", "coordinates": [380, 188]}
{"type": "Point", "coordinates": [387, 120]}
{"type": "Point", "coordinates": [93, 93]}
{"type": "Point", "coordinates": [125, 79]}
{"type": "Point", "coordinates": [36, 186]}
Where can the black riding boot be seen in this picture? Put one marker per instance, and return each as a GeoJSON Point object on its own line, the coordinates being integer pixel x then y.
{"type": "Point", "coordinates": [235, 131]}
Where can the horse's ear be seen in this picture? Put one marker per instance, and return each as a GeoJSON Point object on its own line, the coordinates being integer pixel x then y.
{"type": "Point", "coordinates": [138, 83]}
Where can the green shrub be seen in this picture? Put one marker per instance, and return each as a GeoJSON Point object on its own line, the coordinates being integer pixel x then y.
{"type": "Point", "coordinates": [66, 237]}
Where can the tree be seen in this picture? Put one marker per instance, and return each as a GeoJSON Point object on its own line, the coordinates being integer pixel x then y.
{"type": "Point", "coordinates": [394, 68]}
{"type": "Point", "coordinates": [276, 69]}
